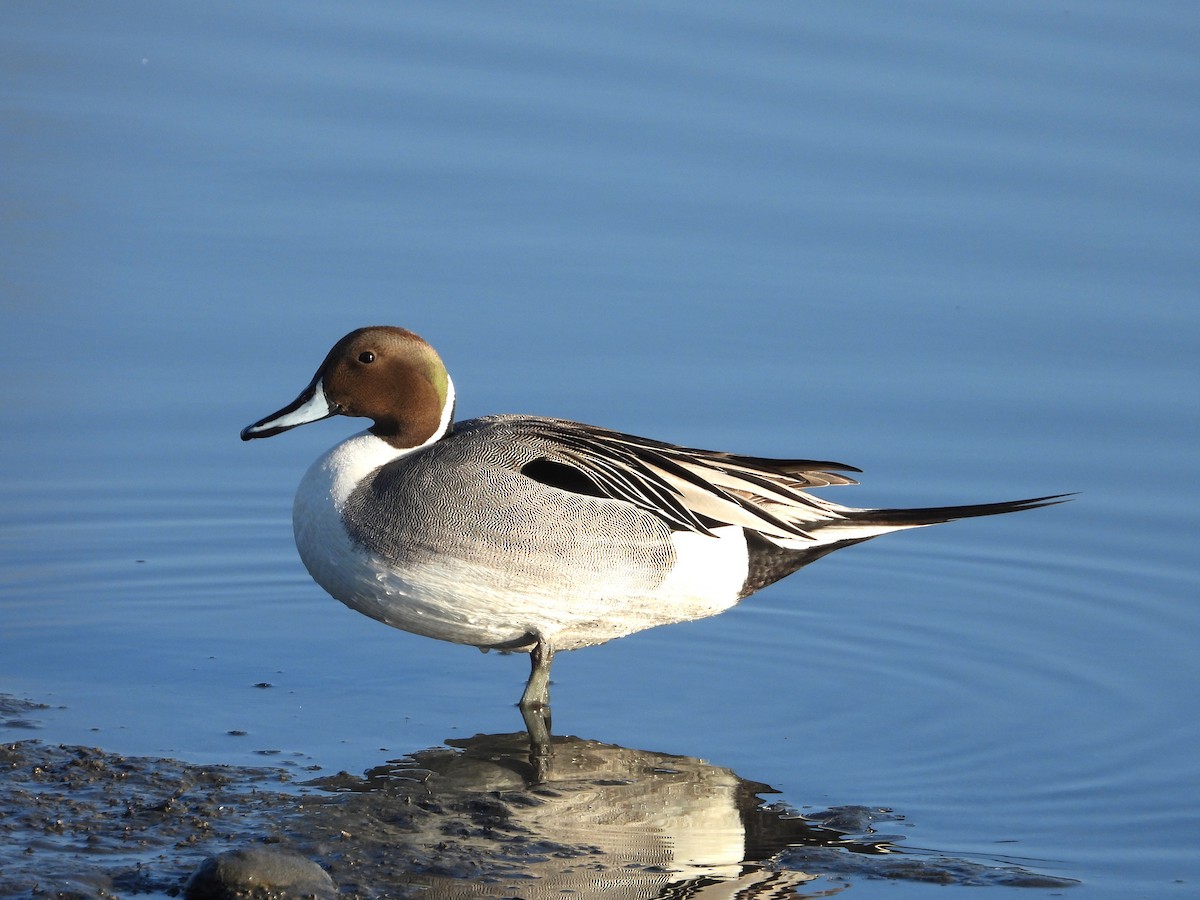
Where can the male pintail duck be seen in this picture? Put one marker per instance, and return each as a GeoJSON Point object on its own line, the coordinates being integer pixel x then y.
{"type": "Point", "coordinates": [536, 534]}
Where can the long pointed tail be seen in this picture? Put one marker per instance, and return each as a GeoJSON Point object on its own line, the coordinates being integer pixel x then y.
{"type": "Point", "coordinates": [772, 559]}
{"type": "Point", "coordinates": [934, 515]}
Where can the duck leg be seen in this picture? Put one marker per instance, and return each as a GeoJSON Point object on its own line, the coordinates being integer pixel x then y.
{"type": "Point", "coordinates": [535, 707]}
{"type": "Point", "coordinates": [537, 689]}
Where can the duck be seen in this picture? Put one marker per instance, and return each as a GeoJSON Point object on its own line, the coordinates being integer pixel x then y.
{"type": "Point", "coordinates": [534, 534]}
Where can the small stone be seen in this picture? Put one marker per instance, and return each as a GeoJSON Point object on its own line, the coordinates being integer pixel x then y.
{"type": "Point", "coordinates": [259, 873]}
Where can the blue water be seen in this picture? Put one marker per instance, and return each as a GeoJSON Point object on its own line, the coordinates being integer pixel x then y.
{"type": "Point", "coordinates": [952, 244]}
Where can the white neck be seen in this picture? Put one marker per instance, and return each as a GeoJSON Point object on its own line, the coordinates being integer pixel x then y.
{"type": "Point", "coordinates": [447, 415]}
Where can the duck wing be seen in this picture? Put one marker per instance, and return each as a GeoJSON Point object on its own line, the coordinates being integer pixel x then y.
{"type": "Point", "coordinates": [690, 489]}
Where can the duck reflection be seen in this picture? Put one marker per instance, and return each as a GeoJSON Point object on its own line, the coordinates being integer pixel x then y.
{"type": "Point", "coordinates": [510, 816]}
{"type": "Point", "coordinates": [585, 818]}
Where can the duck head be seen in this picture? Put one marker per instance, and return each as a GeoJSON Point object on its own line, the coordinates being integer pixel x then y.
{"type": "Point", "coordinates": [382, 373]}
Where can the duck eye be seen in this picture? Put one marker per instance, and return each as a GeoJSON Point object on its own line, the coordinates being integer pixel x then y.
{"type": "Point", "coordinates": [366, 357]}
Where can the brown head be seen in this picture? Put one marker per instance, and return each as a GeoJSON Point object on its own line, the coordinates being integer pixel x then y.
{"type": "Point", "coordinates": [382, 373]}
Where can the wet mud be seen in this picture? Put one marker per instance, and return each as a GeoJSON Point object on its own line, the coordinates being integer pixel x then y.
{"type": "Point", "coordinates": [479, 817]}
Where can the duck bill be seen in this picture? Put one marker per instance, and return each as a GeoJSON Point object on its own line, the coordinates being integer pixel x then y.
{"type": "Point", "coordinates": [311, 406]}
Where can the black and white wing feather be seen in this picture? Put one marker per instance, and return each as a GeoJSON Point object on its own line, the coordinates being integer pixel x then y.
{"type": "Point", "coordinates": [694, 490]}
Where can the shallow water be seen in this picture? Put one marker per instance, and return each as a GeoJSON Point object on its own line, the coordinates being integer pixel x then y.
{"type": "Point", "coordinates": [948, 245]}
{"type": "Point", "coordinates": [476, 817]}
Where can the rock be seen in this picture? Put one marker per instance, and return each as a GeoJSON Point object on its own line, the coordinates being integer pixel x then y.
{"type": "Point", "coordinates": [259, 873]}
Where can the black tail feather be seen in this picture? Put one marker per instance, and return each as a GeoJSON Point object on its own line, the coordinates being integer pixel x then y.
{"type": "Point", "coordinates": [935, 515]}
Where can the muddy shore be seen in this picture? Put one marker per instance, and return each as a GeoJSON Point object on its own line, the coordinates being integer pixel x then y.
{"type": "Point", "coordinates": [467, 820]}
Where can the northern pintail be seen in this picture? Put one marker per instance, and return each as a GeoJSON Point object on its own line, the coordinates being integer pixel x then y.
{"type": "Point", "coordinates": [537, 534]}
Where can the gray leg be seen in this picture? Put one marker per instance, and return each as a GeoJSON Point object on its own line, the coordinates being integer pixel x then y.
{"type": "Point", "coordinates": [537, 689]}
{"type": "Point", "coordinates": [535, 708]}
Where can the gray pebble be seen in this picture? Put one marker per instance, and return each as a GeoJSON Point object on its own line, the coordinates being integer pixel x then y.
{"type": "Point", "coordinates": [259, 873]}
